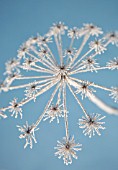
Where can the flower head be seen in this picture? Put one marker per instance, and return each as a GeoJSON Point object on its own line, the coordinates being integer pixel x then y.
{"type": "Point", "coordinates": [98, 46]}
{"type": "Point", "coordinates": [12, 65]}
{"type": "Point", "coordinates": [28, 63]}
{"type": "Point", "coordinates": [91, 29]}
{"type": "Point", "coordinates": [112, 38]}
{"type": "Point", "coordinates": [84, 89]}
{"type": "Point", "coordinates": [54, 112]}
{"type": "Point", "coordinates": [58, 28]}
{"type": "Point", "coordinates": [67, 149]}
{"type": "Point", "coordinates": [73, 33]}
{"type": "Point", "coordinates": [113, 64]}
{"type": "Point", "coordinates": [15, 108]}
{"type": "Point", "coordinates": [24, 48]}
{"type": "Point", "coordinates": [91, 124]}
{"type": "Point", "coordinates": [43, 40]}
{"type": "Point", "coordinates": [114, 94]}
{"type": "Point", "coordinates": [90, 64]}
{"type": "Point", "coordinates": [31, 90]}
{"type": "Point", "coordinates": [28, 133]}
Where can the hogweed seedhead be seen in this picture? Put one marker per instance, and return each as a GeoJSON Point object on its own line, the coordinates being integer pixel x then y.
{"type": "Point", "coordinates": [41, 70]}
{"type": "Point", "coordinates": [91, 124]}
{"type": "Point", "coordinates": [67, 149]}
{"type": "Point", "coordinates": [27, 132]}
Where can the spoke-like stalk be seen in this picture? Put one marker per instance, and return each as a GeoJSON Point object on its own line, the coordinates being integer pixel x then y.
{"type": "Point", "coordinates": [40, 60]}
{"type": "Point", "coordinates": [32, 77]}
{"type": "Point", "coordinates": [40, 68]}
{"type": "Point", "coordinates": [24, 101]}
{"type": "Point", "coordinates": [65, 111]}
{"type": "Point", "coordinates": [43, 60]}
{"type": "Point", "coordinates": [27, 84]}
{"type": "Point", "coordinates": [88, 70]}
{"type": "Point", "coordinates": [72, 41]}
{"type": "Point", "coordinates": [54, 59]}
{"type": "Point", "coordinates": [59, 49]}
{"type": "Point", "coordinates": [76, 64]}
{"type": "Point", "coordinates": [61, 53]}
{"type": "Point", "coordinates": [78, 101]}
{"type": "Point", "coordinates": [48, 104]}
{"type": "Point", "coordinates": [92, 84]}
{"type": "Point", "coordinates": [80, 49]}
{"type": "Point", "coordinates": [102, 105]}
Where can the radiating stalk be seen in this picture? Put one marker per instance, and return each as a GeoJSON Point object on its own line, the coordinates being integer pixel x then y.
{"type": "Point", "coordinates": [48, 104]}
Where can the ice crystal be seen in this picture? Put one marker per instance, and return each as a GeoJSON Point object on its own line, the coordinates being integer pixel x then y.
{"type": "Point", "coordinates": [54, 112]}
{"type": "Point", "coordinates": [113, 64]}
{"type": "Point", "coordinates": [67, 149]}
{"type": "Point", "coordinates": [114, 94]}
{"type": "Point", "coordinates": [15, 108]}
{"type": "Point", "coordinates": [43, 67]}
{"type": "Point", "coordinates": [27, 132]}
{"type": "Point", "coordinates": [91, 124]}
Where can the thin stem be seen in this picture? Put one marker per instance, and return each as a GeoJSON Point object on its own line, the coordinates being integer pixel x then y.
{"type": "Point", "coordinates": [33, 77]}
{"type": "Point", "coordinates": [24, 101]}
{"type": "Point", "coordinates": [92, 84]}
{"type": "Point", "coordinates": [78, 101]}
{"type": "Point", "coordinates": [86, 37]}
{"type": "Point", "coordinates": [72, 41]}
{"type": "Point", "coordinates": [58, 48]}
{"type": "Point", "coordinates": [102, 105]}
{"type": "Point", "coordinates": [48, 104]}
{"type": "Point", "coordinates": [65, 112]}
{"type": "Point", "coordinates": [54, 59]}
{"type": "Point", "coordinates": [26, 85]}
{"type": "Point", "coordinates": [43, 60]}
{"type": "Point", "coordinates": [75, 65]}
{"type": "Point", "coordinates": [87, 70]}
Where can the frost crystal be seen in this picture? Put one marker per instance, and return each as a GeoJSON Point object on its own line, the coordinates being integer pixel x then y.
{"type": "Point", "coordinates": [113, 64]}
{"type": "Point", "coordinates": [15, 108]}
{"type": "Point", "coordinates": [54, 112]}
{"type": "Point", "coordinates": [40, 67]}
{"type": "Point", "coordinates": [67, 149]}
{"type": "Point", "coordinates": [91, 124]}
{"type": "Point", "coordinates": [28, 133]}
{"type": "Point", "coordinates": [114, 94]}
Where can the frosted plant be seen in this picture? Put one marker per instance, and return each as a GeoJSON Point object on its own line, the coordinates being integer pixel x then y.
{"type": "Point", "coordinates": [27, 132]}
{"type": "Point", "coordinates": [41, 70]}
{"type": "Point", "coordinates": [91, 124]}
{"type": "Point", "coordinates": [67, 149]}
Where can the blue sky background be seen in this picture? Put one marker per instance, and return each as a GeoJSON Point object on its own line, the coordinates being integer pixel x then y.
{"type": "Point", "coordinates": [20, 19]}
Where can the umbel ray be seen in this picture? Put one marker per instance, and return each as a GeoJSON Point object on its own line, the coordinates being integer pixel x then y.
{"type": "Point", "coordinates": [60, 74]}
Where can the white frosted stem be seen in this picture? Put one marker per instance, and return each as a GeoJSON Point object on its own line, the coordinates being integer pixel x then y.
{"type": "Point", "coordinates": [92, 84]}
{"type": "Point", "coordinates": [49, 50]}
{"type": "Point", "coordinates": [32, 77]}
{"type": "Point", "coordinates": [78, 101]}
{"type": "Point", "coordinates": [58, 48]}
{"type": "Point", "coordinates": [102, 105]}
{"type": "Point", "coordinates": [24, 101]}
{"type": "Point", "coordinates": [26, 85]}
{"type": "Point", "coordinates": [65, 112]}
{"type": "Point", "coordinates": [46, 70]}
{"type": "Point", "coordinates": [43, 60]}
{"type": "Point", "coordinates": [48, 104]}
{"type": "Point", "coordinates": [72, 41]}
{"type": "Point", "coordinates": [76, 64]}
{"type": "Point", "coordinates": [88, 70]}
{"type": "Point", "coordinates": [86, 37]}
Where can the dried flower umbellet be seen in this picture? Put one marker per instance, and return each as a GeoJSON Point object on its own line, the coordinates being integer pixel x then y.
{"type": "Point", "coordinates": [36, 56]}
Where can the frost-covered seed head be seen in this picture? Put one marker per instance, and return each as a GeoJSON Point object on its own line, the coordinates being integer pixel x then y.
{"type": "Point", "coordinates": [91, 124]}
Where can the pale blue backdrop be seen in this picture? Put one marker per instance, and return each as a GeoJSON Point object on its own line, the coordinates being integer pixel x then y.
{"type": "Point", "coordinates": [19, 19]}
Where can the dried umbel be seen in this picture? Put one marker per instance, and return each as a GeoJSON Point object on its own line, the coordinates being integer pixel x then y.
{"type": "Point", "coordinates": [36, 56]}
